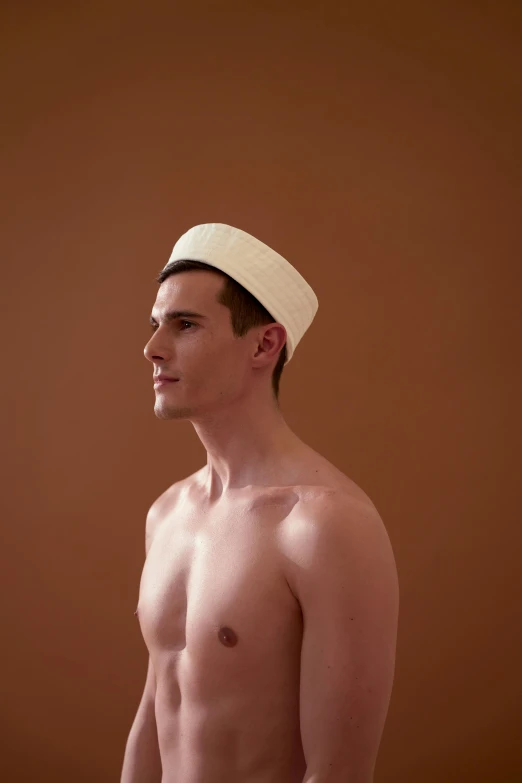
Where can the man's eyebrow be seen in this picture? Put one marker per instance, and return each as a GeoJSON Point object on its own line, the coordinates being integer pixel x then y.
{"type": "Point", "coordinates": [173, 314]}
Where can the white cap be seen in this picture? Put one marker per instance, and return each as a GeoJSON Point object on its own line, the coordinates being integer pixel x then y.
{"type": "Point", "coordinates": [268, 276]}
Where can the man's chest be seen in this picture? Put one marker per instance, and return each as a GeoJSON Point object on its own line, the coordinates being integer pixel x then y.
{"type": "Point", "coordinates": [214, 590]}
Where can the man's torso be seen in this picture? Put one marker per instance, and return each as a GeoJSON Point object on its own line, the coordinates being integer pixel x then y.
{"type": "Point", "coordinates": [224, 629]}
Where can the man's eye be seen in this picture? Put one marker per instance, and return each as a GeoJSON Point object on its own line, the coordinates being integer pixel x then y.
{"type": "Point", "coordinates": [155, 326]}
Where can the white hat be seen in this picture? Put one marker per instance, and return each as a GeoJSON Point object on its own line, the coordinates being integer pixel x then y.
{"type": "Point", "coordinates": [268, 276]}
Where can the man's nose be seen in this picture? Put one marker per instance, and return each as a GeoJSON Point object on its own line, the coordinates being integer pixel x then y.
{"type": "Point", "coordinates": [156, 348]}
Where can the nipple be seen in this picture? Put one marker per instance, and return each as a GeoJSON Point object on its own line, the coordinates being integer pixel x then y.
{"type": "Point", "coordinates": [227, 637]}
{"type": "Point", "coordinates": [136, 612]}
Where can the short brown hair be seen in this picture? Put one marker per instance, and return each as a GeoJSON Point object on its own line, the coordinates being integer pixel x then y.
{"type": "Point", "coordinates": [245, 310]}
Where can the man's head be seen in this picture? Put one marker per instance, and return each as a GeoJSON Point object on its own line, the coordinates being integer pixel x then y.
{"type": "Point", "coordinates": [233, 346]}
{"type": "Point", "coordinates": [254, 308]}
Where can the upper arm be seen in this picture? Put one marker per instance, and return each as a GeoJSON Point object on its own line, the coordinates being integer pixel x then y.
{"type": "Point", "coordinates": [345, 578]}
{"type": "Point", "coordinates": [152, 521]}
{"type": "Point", "coordinates": [149, 691]}
{"type": "Point", "coordinates": [157, 512]}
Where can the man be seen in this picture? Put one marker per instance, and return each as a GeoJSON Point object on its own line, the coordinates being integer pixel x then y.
{"type": "Point", "coordinates": [269, 595]}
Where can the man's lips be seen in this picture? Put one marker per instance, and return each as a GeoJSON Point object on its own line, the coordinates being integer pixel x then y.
{"type": "Point", "coordinates": [159, 381]}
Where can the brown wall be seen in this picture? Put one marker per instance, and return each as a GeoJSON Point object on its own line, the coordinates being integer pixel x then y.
{"type": "Point", "coordinates": [377, 147]}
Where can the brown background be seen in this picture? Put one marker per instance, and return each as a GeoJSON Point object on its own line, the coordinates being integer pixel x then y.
{"type": "Point", "coordinates": [377, 147]}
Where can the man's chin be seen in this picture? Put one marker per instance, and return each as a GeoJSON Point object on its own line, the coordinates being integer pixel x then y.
{"type": "Point", "coordinates": [171, 412]}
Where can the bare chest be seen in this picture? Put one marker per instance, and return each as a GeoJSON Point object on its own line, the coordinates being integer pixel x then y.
{"type": "Point", "coordinates": [213, 594]}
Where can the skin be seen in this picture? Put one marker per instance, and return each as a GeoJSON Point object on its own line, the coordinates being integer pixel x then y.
{"type": "Point", "coordinates": [234, 598]}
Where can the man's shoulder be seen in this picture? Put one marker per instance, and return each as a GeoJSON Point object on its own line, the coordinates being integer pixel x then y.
{"type": "Point", "coordinates": [164, 504]}
{"type": "Point", "coordinates": [330, 521]}
{"type": "Point", "coordinates": [327, 507]}
{"type": "Point", "coordinates": [328, 488]}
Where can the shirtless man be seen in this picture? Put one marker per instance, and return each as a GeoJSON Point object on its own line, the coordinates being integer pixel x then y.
{"type": "Point", "coordinates": [269, 595]}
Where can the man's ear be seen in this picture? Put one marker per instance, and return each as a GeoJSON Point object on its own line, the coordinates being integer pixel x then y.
{"type": "Point", "coordinates": [271, 341]}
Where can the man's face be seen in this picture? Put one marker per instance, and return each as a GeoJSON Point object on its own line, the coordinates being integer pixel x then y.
{"type": "Point", "coordinates": [201, 351]}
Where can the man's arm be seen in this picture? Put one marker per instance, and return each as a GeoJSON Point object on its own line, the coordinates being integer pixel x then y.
{"type": "Point", "coordinates": [142, 762]}
{"type": "Point", "coordinates": [344, 575]}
